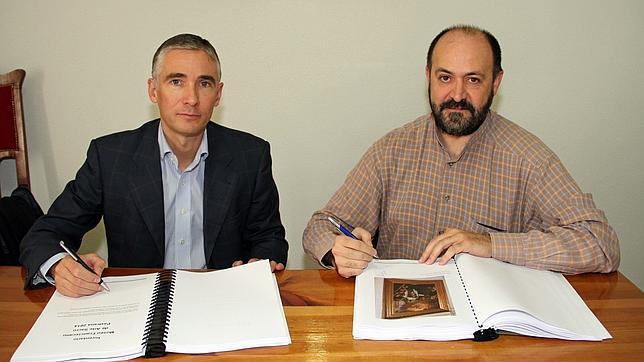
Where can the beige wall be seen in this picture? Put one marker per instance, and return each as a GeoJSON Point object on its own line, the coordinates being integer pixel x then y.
{"type": "Point", "coordinates": [321, 80]}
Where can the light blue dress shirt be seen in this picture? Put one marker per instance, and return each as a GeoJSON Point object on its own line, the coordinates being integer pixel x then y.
{"type": "Point", "coordinates": [183, 207]}
{"type": "Point", "coordinates": [183, 210]}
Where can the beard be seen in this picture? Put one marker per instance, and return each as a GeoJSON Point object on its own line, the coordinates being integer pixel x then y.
{"type": "Point", "coordinates": [457, 123]}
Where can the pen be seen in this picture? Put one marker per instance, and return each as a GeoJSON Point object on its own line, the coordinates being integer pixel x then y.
{"type": "Point", "coordinates": [491, 227]}
{"type": "Point", "coordinates": [344, 230]}
{"type": "Point", "coordinates": [81, 262]}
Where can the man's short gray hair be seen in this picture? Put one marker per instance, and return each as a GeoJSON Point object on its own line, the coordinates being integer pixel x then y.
{"type": "Point", "coordinates": [188, 42]}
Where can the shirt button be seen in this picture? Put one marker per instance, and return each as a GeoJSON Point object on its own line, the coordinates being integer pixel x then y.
{"type": "Point", "coordinates": [441, 232]}
{"type": "Point", "coordinates": [183, 211]}
{"type": "Point", "coordinates": [450, 164]}
{"type": "Point", "coordinates": [182, 241]}
{"type": "Point", "coordinates": [446, 198]}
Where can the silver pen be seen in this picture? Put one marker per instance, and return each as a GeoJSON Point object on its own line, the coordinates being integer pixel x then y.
{"type": "Point", "coordinates": [81, 262]}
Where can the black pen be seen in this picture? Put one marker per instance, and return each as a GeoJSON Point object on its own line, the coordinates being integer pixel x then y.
{"type": "Point", "coordinates": [81, 262]}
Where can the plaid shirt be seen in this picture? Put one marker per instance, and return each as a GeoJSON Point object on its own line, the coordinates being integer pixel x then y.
{"type": "Point", "coordinates": [506, 183]}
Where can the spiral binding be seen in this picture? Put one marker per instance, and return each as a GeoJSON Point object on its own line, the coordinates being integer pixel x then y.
{"type": "Point", "coordinates": [482, 334]}
{"type": "Point", "coordinates": [156, 327]}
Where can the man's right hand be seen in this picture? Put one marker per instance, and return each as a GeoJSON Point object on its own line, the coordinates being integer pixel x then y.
{"type": "Point", "coordinates": [352, 256]}
{"type": "Point", "coordinates": [73, 280]}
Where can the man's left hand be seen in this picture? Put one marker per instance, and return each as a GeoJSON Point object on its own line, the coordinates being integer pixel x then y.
{"type": "Point", "coordinates": [454, 241]}
{"type": "Point", "coordinates": [275, 266]}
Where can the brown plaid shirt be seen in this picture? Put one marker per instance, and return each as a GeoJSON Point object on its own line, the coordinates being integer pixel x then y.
{"type": "Point", "coordinates": [506, 183]}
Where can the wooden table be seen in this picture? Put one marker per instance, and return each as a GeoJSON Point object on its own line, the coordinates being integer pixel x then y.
{"type": "Point", "coordinates": [319, 311]}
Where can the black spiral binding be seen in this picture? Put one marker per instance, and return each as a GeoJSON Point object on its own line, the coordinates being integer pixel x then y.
{"type": "Point", "coordinates": [482, 334]}
{"type": "Point", "coordinates": [156, 327]}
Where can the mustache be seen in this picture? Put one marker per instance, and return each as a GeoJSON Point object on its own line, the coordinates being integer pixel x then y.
{"type": "Point", "coordinates": [462, 104]}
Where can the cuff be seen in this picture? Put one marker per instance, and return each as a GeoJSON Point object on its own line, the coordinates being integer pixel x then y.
{"type": "Point", "coordinates": [509, 247]}
{"type": "Point", "coordinates": [43, 272]}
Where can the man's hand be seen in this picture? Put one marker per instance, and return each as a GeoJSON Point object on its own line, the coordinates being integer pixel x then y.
{"type": "Point", "coordinates": [73, 280]}
{"type": "Point", "coordinates": [275, 266]}
{"type": "Point", "coordinates": [454, 241]}
{"type": "Point", "coordinates": [351, 256]}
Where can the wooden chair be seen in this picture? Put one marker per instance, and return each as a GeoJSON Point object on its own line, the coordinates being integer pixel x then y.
{"type": "Point", "coordinates": [13, 143]}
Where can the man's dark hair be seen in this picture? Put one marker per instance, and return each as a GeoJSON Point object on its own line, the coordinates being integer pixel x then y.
{"type": "Point", "coordinates": [471, 30]}
{"type": "Point", "coordinates": [185, 41]}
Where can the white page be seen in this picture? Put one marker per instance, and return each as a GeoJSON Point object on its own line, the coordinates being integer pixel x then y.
{"type": "Point", "coordinates": [107, 325]}
{"type": "Point", "coordinates": [496, 286]}
{"type": "Point", "coordinates": [226, 310]}
{"type": "Point", "coordinates": [368, 322]}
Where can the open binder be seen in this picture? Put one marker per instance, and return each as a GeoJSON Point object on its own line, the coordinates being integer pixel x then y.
{"type": "Point", "coordinates": [156, 327]}
{"type": "Point", "coordinates": [169, 311]}
{"type": "Point", "coordinates": [468, 298]}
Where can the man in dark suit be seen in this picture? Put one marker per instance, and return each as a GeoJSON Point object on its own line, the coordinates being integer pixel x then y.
{"type": "Point", "coordinates": [178, 192]}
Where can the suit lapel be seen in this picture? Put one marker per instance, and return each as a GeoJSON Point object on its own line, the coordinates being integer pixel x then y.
{"type": "Point", "coordinates": [218, 185]}
{"type": "Point", "coordinates": [147, 186]}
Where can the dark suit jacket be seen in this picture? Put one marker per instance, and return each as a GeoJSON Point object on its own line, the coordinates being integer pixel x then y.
{"type": "Point", "coordinates": [121, 181]}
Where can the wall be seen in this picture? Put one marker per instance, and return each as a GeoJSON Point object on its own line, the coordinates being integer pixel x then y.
{"type": "Point", "coordinates": [322, 80]}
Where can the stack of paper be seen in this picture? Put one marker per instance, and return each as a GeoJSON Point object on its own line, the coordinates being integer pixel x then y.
{"type": "Point", "coordinates": [209, 312]}
{"type": "Point", "coordinates": [465, 296]}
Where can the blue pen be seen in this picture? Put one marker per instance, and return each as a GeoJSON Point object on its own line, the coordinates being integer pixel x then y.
{"type": "Point", "coordinates": [344, 230]}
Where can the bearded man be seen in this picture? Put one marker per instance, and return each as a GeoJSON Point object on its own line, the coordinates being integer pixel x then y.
{"type": "Point", "coordinates": [462, 179]}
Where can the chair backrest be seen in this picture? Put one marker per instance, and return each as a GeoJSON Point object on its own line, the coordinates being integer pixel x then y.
{"type": "Point", "coordinates": [13, 143]}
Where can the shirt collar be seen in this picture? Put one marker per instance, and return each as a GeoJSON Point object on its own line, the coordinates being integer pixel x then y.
{"type": "Point", "coordinates": [479, 136]}
{"type": "Point", "coordinates": [165, 150]}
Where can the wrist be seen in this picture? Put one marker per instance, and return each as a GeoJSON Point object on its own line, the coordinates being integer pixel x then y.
{"type": "Point", "coordinates": [488, 244]}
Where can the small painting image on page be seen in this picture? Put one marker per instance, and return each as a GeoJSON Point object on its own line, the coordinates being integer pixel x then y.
{"type": "Point", "coordinates": [402, 298]}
